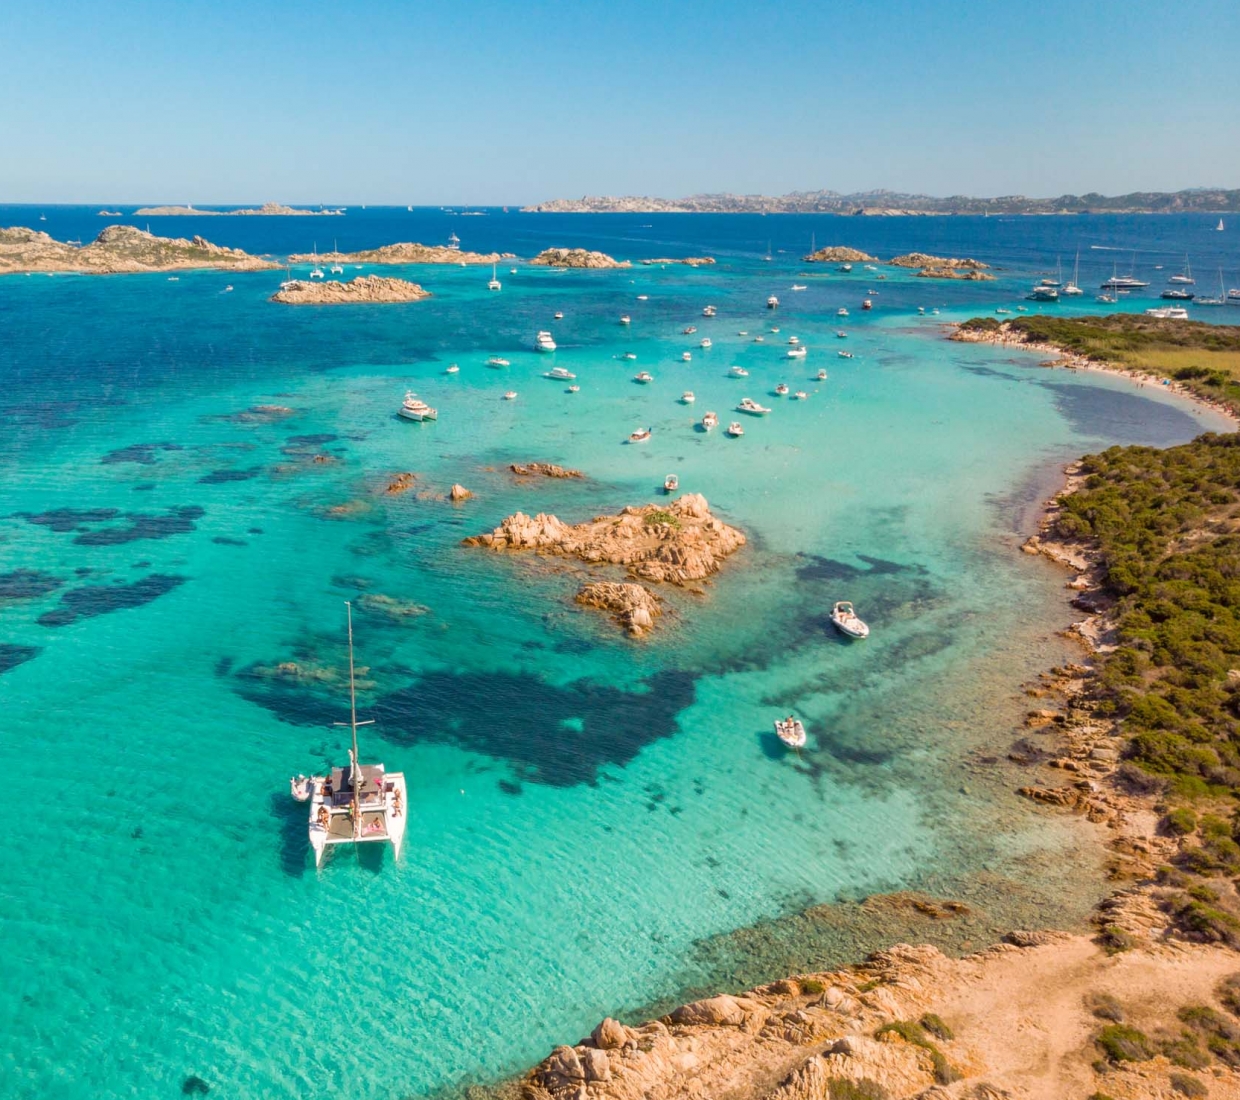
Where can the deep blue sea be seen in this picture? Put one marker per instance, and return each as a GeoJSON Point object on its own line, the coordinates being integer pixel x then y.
{"type": "Point", "coordinates": [596, 825]}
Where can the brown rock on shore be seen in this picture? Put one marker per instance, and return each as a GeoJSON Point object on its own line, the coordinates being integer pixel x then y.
{"type": "Point", "coordinates": [633, 606]}
{"type": "Point", "coordinates": [544, 469]}
{"type": "Point", "coordinates": [459, 493]}
{"type": "Point", "coordinates": [839, 254]}
{"type": "Point", "coordinates": [688, 261]}
{"type": "Point", "coordinates": [577, 257]}
{"type": "Point", "coordinates": [367, 289]}
{"type": "Point", "coordinates": [119, 249]}
{"type": "Point", "coordinates": [407, 252]}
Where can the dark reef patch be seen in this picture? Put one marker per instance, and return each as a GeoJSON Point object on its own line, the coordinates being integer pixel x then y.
{"type": "Point", "coordinates": [222, 477]}
{"type": "Point", "coordinates": [177, 521]}
{"type": "Point", "coordinates": [13, 655]}
{"type": "Point", "coordinates": [63, 520]}
{"type": "Point", "coordinates": [224, 540]}
{"type": "Point", "coordinates": [141, 453]}
{"type": "Point", "coordinates": [100, 599]}
{"type": "Point", "coordinates": [557, 735]}
{"type": "Point", "coordinates": [27, 584]}
{"type": "Point", "coordinates": [828, 569]}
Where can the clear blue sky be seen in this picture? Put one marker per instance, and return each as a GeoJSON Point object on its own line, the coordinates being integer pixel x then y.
{"type": "Point", "coordinates": [502, 102]}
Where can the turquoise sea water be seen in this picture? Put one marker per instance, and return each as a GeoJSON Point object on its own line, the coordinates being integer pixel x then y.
{"type": "Point", "coordinates": [584, 810]}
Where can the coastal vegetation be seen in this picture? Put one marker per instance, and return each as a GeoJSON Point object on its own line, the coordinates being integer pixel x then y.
{"type": "Point", "coordinates": [118, 249]}
{"type": "Point", "coordinates": [1202, 357]}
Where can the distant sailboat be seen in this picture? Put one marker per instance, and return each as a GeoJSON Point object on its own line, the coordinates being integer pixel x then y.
{"type": "Point", "coordinates": [1074, 287]}
{"type": "Point", "coordinates": [494, 284]}
{"type": "Point", "coordinates": [1219, 228]}
{"type": "Point", "coordinates": [336, 269]}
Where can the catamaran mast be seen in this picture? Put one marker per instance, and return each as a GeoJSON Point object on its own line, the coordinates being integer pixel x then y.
{"type": "Point", "coordinates": [355, 767]}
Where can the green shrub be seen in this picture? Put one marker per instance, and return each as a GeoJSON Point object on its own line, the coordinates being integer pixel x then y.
{"type": "Point", "coordinates": [1121, 1043]}
{"type": "Point", "coordinates": [812, 985]}
{"type": "Point", "coordinates": [937, 1027]}
{"type": "Point", "coordinates": [1185, 1051]}
{"type": "Point", "coordinates": [1180, 822]}
{"type": "Point", "coordinates": [840, 1088]}
{"type": "Point", "coordinates": [1113, 939]}
{"type": "Point", "coordinates": [1229, 994]}
{"type": "Point", "coordinates": [1105, 1007]}
{"type": "Point", "coordinates": [912, 1032]}
{"type": "Point", "coordinates": [1189, 1086]}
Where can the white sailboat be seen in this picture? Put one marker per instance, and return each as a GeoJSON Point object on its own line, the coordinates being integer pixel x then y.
{"type": "Point", "coordinates": [494, 284]}
{"type": "Point", "coordinates": [1073, 289]}
{"type": "Point", "coordinates": [357, 804]}
{"type": "Point", "coordinates": [316, 272]}
{"type": "Point", "coordinates": [336, 268]}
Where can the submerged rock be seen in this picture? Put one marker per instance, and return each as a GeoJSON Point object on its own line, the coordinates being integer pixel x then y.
{"type": "Point", "coordinates": [543, 469]}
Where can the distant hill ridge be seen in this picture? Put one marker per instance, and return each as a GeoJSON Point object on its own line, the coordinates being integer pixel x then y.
{"type": "Point", "coordinates": [1194, 200]}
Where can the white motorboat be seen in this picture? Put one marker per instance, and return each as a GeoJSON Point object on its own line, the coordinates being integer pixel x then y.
{"type": "Point", "coordinates": [704, 342]}
{"type": "Point", "coordinates": [791, 732]}
{"type": "Point", "coordinates": [759, 339]}
{"type": "Point", "coordinates": [560, 373]}
{"type": "Point", "coordinates": [739, 372]}
{"type": "Point", "coordinates": [494, 284]}
{"type": "Point", "coordinates": [643, 297]}
{"type": "Point", "coordinates": [798, 286]}
{"type": "Point", "coordinates": [772, 302]}
{"type": "Point", "coordinates": [743, 332]}
{"type": "Point", "coordinates": [1168, 313]}
{"type": "Point", "coordinates": [821, 376]}
{"type": "Point", "coordinates": [689, 330]}
{"type": "Point", "coordinates": [641, 435]}
{"type": "Point", "coordinates": [782, 389]}
{"type": "Point", "coordinates": [794, 340]}
{"type": "Point", "coordinates": [559, 316]}
{"type": "Point", "coordinates": [510, 395]}
{"type": "Point", "coordinates": [300, 788]}
{"type": "Point", "coordinates": [1002, 310]}
{"type": "Point", "coordinates": [629, 355]}
{"type": "Point", "coordinates": [1123, 282]}
{"type": "Point", "coordinates": [626, 320]}
{"type": "Point", "coordinates": [228, 288]}
{"type": "Point", "coordinates": [687, 398]}
{"type": "Point", "coordinates": [840, 334]}
{"type": "Point", "coordinates": [709, 311]}
{"type": "Point", "coordinates": [643, 376]}
{"type": "Point", "coordinates": [800, 395]}
{"type": "Point", "coordinates": [671, 483]}
{"type": "Point", "coordinates": [846, 268]}
{"type": "Point", "coordinates": [574, 389]}
{"type": "Point", "coordinates": [735, 430]}
{"type": "Point", "coordinates": [497, 361]}
{"type": "Point", "coordinates": [867, 304]}
{"type": "Point", "coordinates": [841, 312]}
{"type": "Point", "coordinates": [844, 354]}
{"type": "Point", "coordinates": [357, 804]}
{"type": "Point", "coordinates": [686, 356]}
{"type": "Point", "coordinates": [414, 408]}
{"type": "Point", "coordinates": [1175, 294]}
{"type": "Point", "coordinates": [1042, 293]}
{"type": "Point", "coordinates": [847, 621]}
{"type": "Point", "coordinates": [544, 342]}
{"type": "Point", "coordinates": [710, 421]}
{"type": "Point", "coordinates": [452, 369]}
{"type": "Point", "coordinates": [750, 406]}
{"type": "Point", "coordinates": [797, 353]}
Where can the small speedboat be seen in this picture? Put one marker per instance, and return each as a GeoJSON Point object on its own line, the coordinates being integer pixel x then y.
{"type": "Point", "coordinates": [775, 328]}
{"type": "Point", "coordinates": [800, 395]}
{"type": "Point", "coordinates": [782, 389]}
{"type": "Point", "coordinates": [841, 312]}
{"type": "Point", "coordinates": [671, 483]}
{"type": "Point", "coordinates": [735, 430]}
{"type": "Point", "coordinates": [794, 340]}
{"type": "Point", "coordinates": [772, 302]}
{"type": "Point", "coordinates": [559, 316]}
{"type": "Point", "coordinates": [511, 395]}
{"type": "Point", "coordinates": [743, 332]}
{"type": "Point", "coordinates": [846, 268]}
{"type": "Point", "coordinates": [300, 787]}
{"type": "Point", "coordinates": [643, 377]}
{"type": "Point", "coordinates": [739, 372]}
{"type": "Point", "coordinates": [791, 732]}
{"type": "Point", "coordinates": [847, 622]}
{"type": "Point", "coordinates": [686, 356]}
{"type": "Point", "coordinates": [629, 355]}
{"type": "Point", "coordinates": [709, 311]}
{"type": "Point", "coordinates": [867, 304]}
{"type": "Point", "coordinates": [704, 342]}
{"type": "Point", "coordinates": [710, 421]}
{"type": "Point", "coordinates": [641, 435]}
{"type": "Point", "coordinates": [228, 288]}
{"type": "Point", "coordinates": [574, 389]}
{"type": "Point", "coordinates": [797, 353]}
{"type": "Point", "coordinates": [844, 354]}
{"type": "Point", "coordinates": [759, 339]}
{"type": "Point", "coordinates": [560, 373]}
{"type": "Point", "coordinates": [840, 334]}
{"type": "Point", "coordinates": [625, 320]}
{"type": "Point", "coordinates": [496, 361]}
{"type": "Point", "coordinates": [689, 330]}
{"type": "Point", "coordinates": [821, 376]}
{"type": "Point", "coordinates": [687, 398]}
{"type": "Point", "coordinates": [749, 405]}
{"type": "Point", "coordinates": [797, 286]}
{"type": "Point", "coordinates": [452, 369]}
{"type": "Point", "coordinates": [643, 297]}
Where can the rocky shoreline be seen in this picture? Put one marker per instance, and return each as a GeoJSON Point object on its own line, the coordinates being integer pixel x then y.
{"type": "Point", "coordinates": [577, 257]}
{"type": "Point", "coordinates": [679, 544]}
{"type": "Point", "coordinates": [405, 252]}
{"type": "Point", "coordinates": [119, 249]}
{"type": "Point", "coordinates": [363, 289]}
{"type": "Point", "coordinates": [268, 209]}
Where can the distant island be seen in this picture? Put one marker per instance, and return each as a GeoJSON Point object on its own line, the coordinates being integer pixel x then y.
{"type": "Point", "coordinates": [405, 252]}
{"type": "Point", "coordinates": [267, 209]}
{"type": "Point", "coordinates": [1203, 200]}
{"type": "Point", "coordinates": [118, 249]}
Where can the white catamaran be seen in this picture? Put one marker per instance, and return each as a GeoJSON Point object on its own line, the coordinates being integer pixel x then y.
{"type": "Point", "coordinates": [356, 804]}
